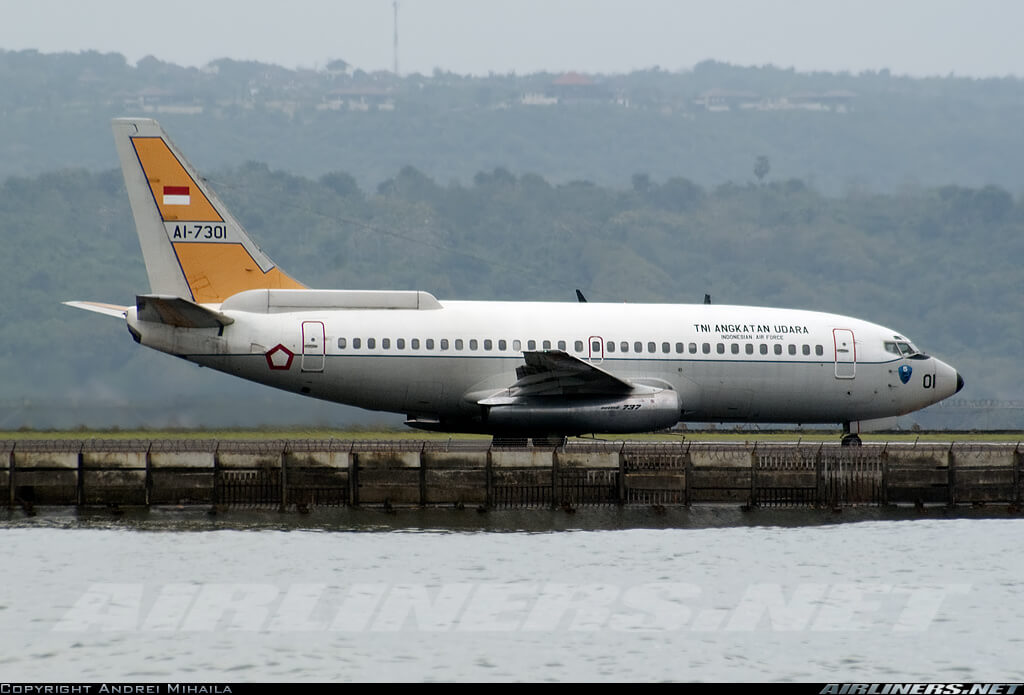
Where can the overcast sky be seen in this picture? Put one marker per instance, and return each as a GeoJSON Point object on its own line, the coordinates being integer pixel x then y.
{"type": "Point", "coordinates": [914, 37]}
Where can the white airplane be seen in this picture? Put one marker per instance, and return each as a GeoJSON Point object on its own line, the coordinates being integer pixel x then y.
{"type": "Point", "coordinates": [511, 369]}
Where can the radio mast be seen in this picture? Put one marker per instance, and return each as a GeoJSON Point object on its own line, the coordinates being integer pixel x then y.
{"type": "Point", "coordinates": [395, 5]}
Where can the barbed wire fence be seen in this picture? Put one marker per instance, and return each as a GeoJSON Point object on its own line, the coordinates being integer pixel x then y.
{"type": "Point", "coordinates": [953, 414]}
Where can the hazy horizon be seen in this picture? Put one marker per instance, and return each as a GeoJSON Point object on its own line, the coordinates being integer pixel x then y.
{"type": "Point", "coordinates": [916, 38]}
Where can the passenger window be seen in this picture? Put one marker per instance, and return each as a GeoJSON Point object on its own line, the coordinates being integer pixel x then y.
{"type": "Point", "coordinates": [371, 343]}
{"type": "Point", "coordinates": [356, 343]}
{"type": "Point", "coordinates": [651, 347]}
{"type": "Point", "coordinates": [706, 347]}
{"type": "Point", "coordinates": [665, 347]}
{"type": "Point", "coordinates": [341, 343]}
{"type": "Point", "coordinates": [578, 345]}
{"type": "Point", "coordinates": [517, 345]}
{"type": "Point", "coordinates": [680, 346]}
{"type": "Point", "coordinates": [458, 343]}
{"type": "Point", "coordinates": [778, 348]}
{"type": "Point", "coordinates": [547, 344]}
{"type": "Point", "coordinates": [503, 345]}
{"type": "Point", "coordinates": [430, 343]}
{"type": "Point", "coordinates": [764, 349]}
{"type": "Point", "coordinates": [807, 349]}
{"type": "Point", "coordinates": [531, 344]}
{"type": "Point", "coordinates": [385, 343]}
{"type": "Point", "coordinates": [415, 343]}
{"type": "Point", "coordinates": [488, 344]}
{"type": "Point", "coordinates": [624, 346]}
{"type": "Point", "coordinates": [818, 350]}
{"type": "Point", "coordinates": [750, 348]}
{"type": "Point", "coordinates": [444, 343]}
{"type": "Point", "coordinates": [792, 349]}
{"type": "Point", "coordinates": [595, 347]}
{"type": "Point", "coordinates": [561, 344]}
{"type": "Point", "coordinates": [735, 348]}
{"type": "Point", "coordinates": [638, 346]}
{"type": "Point", "coordinates": [721, 348]}
{"type": "Point", "coordinates": [400, 343]}
{"type": "Point", "coordinates": [473, 344]}
{"type": "Point", "coordinates": [611, 346]}
{"type": "Point", "coordinates": [693, 348]}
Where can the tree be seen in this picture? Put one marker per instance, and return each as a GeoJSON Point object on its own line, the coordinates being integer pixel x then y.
{"type": "Point", "coordinates": [761, 168]}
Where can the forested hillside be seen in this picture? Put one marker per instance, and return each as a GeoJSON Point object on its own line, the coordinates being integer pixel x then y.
{"type": "Point", "coordinates": [839, 133]}
{"type": "Point", "coordinates": [940, 264]}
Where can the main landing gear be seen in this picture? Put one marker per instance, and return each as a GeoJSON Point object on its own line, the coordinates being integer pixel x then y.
{"type": "Point", "coordinates": [849, 439]}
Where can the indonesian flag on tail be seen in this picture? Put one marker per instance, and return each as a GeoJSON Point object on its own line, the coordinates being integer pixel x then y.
{"type": "Point", "coordinates": [176, 195]}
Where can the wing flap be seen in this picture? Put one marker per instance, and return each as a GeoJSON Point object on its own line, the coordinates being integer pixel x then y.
{"type": "Point", "coordinates": [557, 373]}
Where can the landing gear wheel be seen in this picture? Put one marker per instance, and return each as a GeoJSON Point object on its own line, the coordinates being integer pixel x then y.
{"type": "Point", "coordinates": [850, 440]}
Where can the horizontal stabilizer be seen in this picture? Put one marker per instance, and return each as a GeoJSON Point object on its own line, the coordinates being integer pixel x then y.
{"type": "Point", "coordinates": [175, 311]}
{"type": "Point", "coordinates": [114, 310]}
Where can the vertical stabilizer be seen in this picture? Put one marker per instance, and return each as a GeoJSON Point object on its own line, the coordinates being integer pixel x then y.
{"type": "Point", "coordinates": [192, 246]}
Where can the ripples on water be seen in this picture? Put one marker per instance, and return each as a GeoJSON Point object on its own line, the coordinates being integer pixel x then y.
{"type": "Point", "coordinates": [616, 594]}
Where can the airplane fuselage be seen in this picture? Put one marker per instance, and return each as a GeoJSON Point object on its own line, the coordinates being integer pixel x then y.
{"type": "Point", "coordinates": [724, 363]}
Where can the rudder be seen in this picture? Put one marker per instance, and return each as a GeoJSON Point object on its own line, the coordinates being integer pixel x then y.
{"type": "Point", "coordinates": [192, 246]}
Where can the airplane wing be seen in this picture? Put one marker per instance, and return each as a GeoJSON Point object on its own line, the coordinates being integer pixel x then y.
{"type": "Point", "coordinates": [557, 373]}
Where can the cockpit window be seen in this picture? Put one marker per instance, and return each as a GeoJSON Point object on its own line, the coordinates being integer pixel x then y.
{"type": "Point", "coordinates": [901, 348]}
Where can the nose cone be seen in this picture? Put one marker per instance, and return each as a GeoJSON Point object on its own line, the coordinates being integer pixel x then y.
{"type": "Point", "coordinates": [947, 382]}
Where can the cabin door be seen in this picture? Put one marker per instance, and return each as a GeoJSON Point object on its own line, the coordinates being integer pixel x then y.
{"type": "Point", "coordinates": [846, 353]}
{"type": "Point", "coordinates": [596, 347]}
{"type": "Point", "coordinates": [313, 346]}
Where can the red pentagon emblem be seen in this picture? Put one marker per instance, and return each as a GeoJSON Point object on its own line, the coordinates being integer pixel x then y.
{"type": "Point", "coordinates": [279, 357]}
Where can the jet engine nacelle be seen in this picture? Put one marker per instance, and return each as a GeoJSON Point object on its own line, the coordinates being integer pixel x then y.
{"type": "Point", "coordinates": [636, 413]}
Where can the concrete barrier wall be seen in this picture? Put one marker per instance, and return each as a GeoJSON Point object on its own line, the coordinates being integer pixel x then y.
{"type": "Point", "coordinates": [455, 478]}
{"type": "Point", "coordinates": [578, 459]}
{"type": "Point", "coordinates": [198, 460]}
{"type": "Point", "coordinates": [6, 464]}
{"type": "Point", "coordinates": [248, 461]}
{"type": "Point", "coordinates": [328, 472]}
{"type": "Point", "coordinates": [25, 460]}
{"type": "Point", "coordinates": [917, 475]}
{"type": "Point", "coordinates": [715, 457]}
{"type": "Point", "coordinates": [45, 477]}
{"type": "Point", "coordinates": [984, 474]}
{"type": "Point", "coordinates": [388, 478]}
{"type": "Point", "coordinates": [522, 458]}
{"type": "Point", "coordinates": [388, 460]}
{"type": "Point", "coordinates": [981, 457]}
{"type": "Point", "coordinates": [917, 456]}
{"type": "Point", "coordinates": [332, 460]}
{"type": "Point", "coordinates": [105, 460]}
